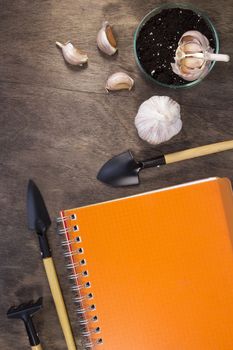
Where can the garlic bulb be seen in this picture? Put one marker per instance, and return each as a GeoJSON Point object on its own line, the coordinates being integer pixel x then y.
{"type": "Point", "coordinates": [119, 81]}
{"type": "Point", "coordinates": [72, 55]}
{"type": "Point", "coordinates": [105, 39]}
{"type": "Point", "coordinates": [158, 119]}
{"type": "Point", "coordinates": [190, 61]}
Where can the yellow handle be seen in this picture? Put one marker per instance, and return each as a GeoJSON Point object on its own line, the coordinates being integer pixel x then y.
{"type": "Point", "coordinates": [36, 347]}
{"type": "Point", "coordinates": [59, 302]}
{"type": "Point", "coordinates": [198, 151]}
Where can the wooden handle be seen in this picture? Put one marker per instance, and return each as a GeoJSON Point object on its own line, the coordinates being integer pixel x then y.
{"type": "Point", "coordinates": [59, 302]}
{"type": "Point", "coordinates": [198, 151]}
{"type": "Point", "coordinates": [36, 347]}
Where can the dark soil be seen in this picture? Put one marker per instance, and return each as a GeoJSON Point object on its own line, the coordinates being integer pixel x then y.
{"type": "Point", "coordinates": [158, 40]}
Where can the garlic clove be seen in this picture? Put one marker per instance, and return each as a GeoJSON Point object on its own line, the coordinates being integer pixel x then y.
{"type": "Point", "coordinates": [106, 41]}
{"type": "Point", "coordinates": [191, 47]}
{"type": "Point", "coordinates": [191, 74]}
{"type": "Point", "coordinates": [188, 49]}
{"type": "Point", "coordinates": [196, 37]}
{"type": "Point", "coordinates": [73, 55]}
{"type": "Point", "coordinates": [184, 69]}
{"type": "Point", "coordinates": [158, 119]}
{"type": "Point", "coordinates": [119, 81]}
{"type": "Point", "coordinates": [187, 38]}
{"type": "Point", "coordinates": [192, 62]}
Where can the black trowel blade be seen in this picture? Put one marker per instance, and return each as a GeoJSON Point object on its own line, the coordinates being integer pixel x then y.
{"type": "Point", "coordinates": [121, 170]}
{"type": "Point", "coordinates": [38, 216]}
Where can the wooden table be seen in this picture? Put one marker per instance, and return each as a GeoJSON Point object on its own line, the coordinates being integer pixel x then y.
{"type": "Point", "coordinates": [58, 126]}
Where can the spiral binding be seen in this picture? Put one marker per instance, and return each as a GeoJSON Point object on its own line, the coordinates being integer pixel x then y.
{"type": "Point", "coordinates": [83, 295]}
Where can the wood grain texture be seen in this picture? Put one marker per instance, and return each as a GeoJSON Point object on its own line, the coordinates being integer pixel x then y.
{"type": "Point", "coordinates": [58, 126]}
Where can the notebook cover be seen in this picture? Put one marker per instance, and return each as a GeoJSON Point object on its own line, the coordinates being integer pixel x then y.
{"type": "Point", "coordinates": [160, 267]}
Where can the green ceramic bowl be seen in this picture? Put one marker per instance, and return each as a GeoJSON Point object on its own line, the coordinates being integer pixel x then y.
{"type": "Point", "coordinates": [155, 12]}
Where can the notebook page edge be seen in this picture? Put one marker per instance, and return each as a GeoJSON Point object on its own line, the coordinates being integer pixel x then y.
{"type": "Point", "coordinates": [146, 193]}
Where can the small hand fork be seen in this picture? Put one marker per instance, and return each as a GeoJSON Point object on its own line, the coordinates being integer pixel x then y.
{"type": "Point", "coordinates": [25, 312]}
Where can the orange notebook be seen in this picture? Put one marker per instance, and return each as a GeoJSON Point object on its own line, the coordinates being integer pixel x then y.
{"type": "Point", "coordinates": [155, 271]}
